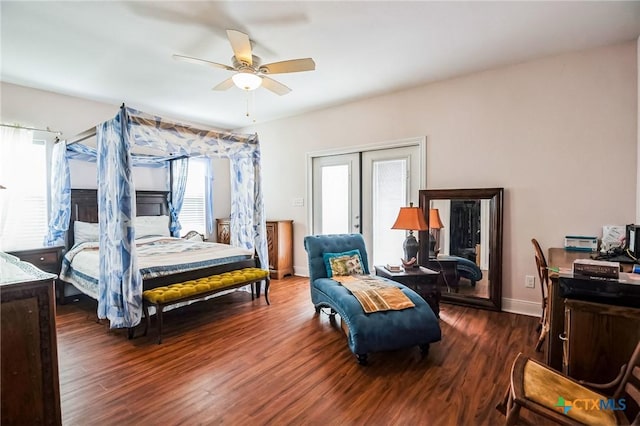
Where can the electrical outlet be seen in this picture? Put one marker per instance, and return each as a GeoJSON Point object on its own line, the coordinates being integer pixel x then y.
{"type": "Point", "coordinates": [529, 281]}
{"type": "Point", "coordinates": [297, 202]}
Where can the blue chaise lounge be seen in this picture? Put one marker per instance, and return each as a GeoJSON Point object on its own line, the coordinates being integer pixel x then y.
{"type": "Point", "coordinates": [367, 332]}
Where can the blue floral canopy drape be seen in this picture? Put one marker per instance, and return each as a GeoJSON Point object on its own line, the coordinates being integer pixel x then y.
{"type": "Point", "coordinates": [120, 285]}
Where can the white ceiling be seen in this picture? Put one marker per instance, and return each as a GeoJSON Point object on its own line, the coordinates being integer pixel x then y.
{"type": "Point", "coordinates": [121, 51]}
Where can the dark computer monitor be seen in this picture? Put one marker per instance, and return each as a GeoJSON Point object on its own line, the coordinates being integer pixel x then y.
{"type": "Point", "coordinates": [632, 241]}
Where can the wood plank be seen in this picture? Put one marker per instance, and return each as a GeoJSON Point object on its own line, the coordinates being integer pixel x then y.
{"type": "Point", "coordinates": [232, 360]}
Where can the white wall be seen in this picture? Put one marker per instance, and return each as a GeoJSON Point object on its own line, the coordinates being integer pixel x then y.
{"type": "Point", "coordinates": [559, 134]}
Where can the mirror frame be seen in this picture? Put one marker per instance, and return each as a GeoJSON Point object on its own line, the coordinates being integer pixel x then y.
{"type": "Point", "coordinates": [496, 196]}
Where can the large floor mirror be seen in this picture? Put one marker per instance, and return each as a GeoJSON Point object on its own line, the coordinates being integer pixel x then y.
{"type": "Point", "coordinates": [464, 242]}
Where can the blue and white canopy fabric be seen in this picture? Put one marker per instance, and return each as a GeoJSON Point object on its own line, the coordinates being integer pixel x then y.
{"type": "Point", "coordinates": [120, 286]}
{"type": "Point", "coordinates": [179, 172]}
{"type": "Point", "coordinates": [60, 196]}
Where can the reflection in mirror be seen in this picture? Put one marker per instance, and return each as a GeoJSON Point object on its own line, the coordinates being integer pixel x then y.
{"type": "Point", "coordinates": [463, 237]}
{"type": "Point", "coordinates": [464, 242]}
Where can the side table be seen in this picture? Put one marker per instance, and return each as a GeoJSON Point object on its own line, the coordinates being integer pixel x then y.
{"type": "Point", "coordinates": [423, 281]}
{"type": "Point", "coordinates": [449, 269]}
{"type": "Point", "coordinates": [48, 259]}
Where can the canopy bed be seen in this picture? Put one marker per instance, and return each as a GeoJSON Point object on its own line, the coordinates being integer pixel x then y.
{"type": "Point", "coordinates": [134, 138]}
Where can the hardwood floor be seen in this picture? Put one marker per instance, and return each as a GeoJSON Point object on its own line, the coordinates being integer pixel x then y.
{"type": "Point", "coordinates": [235, 361]}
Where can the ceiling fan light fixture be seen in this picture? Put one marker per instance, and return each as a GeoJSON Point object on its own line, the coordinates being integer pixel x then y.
{"type": "Point", "coordinates": [246, 80]}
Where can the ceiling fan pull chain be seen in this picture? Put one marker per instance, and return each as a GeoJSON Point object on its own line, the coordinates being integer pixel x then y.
{"type": "Point", "coordinates": [251, 100]}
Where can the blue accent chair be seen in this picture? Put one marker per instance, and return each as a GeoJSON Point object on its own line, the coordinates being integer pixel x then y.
{"type": "Point", "coordinates": [373, 332]}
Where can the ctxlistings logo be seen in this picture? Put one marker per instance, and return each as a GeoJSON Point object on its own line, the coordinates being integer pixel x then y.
{"type": "Point", "coordinates": [564, 405]}
{"type": "Point", "coordinates": [591, 404]}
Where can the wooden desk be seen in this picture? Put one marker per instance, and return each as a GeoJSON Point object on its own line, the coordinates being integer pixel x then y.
{"type": "Point", "coordinates": [587, 340]}
{"type": "Point", "coordinates": [558, 258]}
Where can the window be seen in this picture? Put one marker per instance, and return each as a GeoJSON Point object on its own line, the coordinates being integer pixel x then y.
{"type": "Point", "coordinates": [193, 214]}
{"type": "Point", "coordinates": [23, 202]}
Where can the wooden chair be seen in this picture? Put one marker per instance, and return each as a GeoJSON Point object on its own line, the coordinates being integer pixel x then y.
{"type": "Point", "coordinates": [543, 276]}
{"type": "Point", "coordinates": [546, 392]}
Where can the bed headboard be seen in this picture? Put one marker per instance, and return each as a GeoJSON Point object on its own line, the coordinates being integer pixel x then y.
{"type": "Point", "coordinates": [84, 207]}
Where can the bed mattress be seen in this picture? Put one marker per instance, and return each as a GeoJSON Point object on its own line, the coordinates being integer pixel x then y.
{"type": "Point", "coordinates": [157, 256]}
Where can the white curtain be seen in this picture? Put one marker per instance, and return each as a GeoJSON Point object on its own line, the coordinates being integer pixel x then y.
{"type": "Point", "coordinates": [15, 152]}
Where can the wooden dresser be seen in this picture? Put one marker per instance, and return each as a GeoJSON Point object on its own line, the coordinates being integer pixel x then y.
{"type": "Point", "coordinates": [279, 243]}
{"type": "Point", "coordinates": [29, 354]}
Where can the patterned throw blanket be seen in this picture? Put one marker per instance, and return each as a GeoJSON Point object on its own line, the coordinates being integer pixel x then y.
{"type": "Point", "coordinates": [374, 294]}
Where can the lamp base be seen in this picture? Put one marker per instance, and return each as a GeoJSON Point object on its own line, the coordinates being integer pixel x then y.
{"type": "Point", "coordinates": [411, 248]}
{"type": "Point", "coordinates": [413, 263]}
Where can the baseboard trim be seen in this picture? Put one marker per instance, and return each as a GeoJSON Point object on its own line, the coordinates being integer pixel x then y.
{"type": "Point", "coordinates": [522, 307]}
{"type": "Point", "coordinates": [301, 271]}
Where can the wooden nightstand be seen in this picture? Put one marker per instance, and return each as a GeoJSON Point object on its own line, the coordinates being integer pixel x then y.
{"type": "Point", "coordinates": [449, 269]}
{"type": "Point", "coordinates": [422, 280]}
{"type": "Point", "coordinates": [48, 259]}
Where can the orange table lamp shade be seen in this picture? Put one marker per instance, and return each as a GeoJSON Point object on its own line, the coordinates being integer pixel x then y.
{"type": "Point", "coordinates": [434, 219]}
{"type": "Point", "coordinates": [411, 219]}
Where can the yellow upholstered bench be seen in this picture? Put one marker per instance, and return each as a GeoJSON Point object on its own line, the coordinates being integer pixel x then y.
{"type": "Point", "coordinates": [199, 289]}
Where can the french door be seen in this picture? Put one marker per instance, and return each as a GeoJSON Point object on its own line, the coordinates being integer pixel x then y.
{"type": "Point", "coordinates": [336, 194]}
{"type": "Point", "coordinates": [363, 192]}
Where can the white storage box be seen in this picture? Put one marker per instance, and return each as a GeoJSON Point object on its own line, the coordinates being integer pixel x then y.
{"type": "Point", "coordinates": [580, 243]}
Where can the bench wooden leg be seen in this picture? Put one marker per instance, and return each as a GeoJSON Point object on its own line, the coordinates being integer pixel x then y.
{"type": "Point", "coordinates": [147, 318]}
{"type": "Point", "coordinates": [159, 319]}
{"type": "Point", "coordinates": [266, 289]}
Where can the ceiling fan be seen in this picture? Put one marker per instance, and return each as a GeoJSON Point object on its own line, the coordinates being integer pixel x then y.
{"type": "Point", "coordinates": [249, 72]}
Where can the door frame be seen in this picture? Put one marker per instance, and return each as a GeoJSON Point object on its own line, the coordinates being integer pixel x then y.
{"type": "Point", "coordinates": [420, 141]}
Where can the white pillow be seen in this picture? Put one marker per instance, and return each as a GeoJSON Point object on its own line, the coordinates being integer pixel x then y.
{"type": "Point", "coordinates": [148, 226]}
{"type": "Point", "coordinates": [85, 231]}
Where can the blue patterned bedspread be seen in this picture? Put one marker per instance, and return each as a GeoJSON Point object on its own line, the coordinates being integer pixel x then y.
{"type": "Point", "coordinates": [157, 256]}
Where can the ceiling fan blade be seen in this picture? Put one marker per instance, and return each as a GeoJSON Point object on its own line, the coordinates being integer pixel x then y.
{"type": "Point", "coordinates": [275, 86]}
{"type": "Point", "coordinates": [293, 65]}
{"type": "Point", "coordinates": [241, 46]}
{"type": "Point", "coordinates": [202, 62]}
{"type": "Point", "coordinates": [227, 84]}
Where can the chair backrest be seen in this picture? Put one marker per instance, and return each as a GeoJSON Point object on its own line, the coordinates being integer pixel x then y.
{"type": "Point", "coordinates": [629, 388]}
{"type": "Point", "coordinates": [317, 245]}
{"type": "Point", "coordinates": [541, 264]}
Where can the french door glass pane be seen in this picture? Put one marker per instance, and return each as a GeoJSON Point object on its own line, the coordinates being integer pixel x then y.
{"type": "Point", "coordinates": [389, 184]}
{"type": "Point", "coordinates": [335, 199]}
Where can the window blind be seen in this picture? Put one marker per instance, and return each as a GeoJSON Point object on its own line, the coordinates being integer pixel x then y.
{"type": "Point", "coordinates": [23, 204]}
{"type": "Point", "coordinates": [192, 215]}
